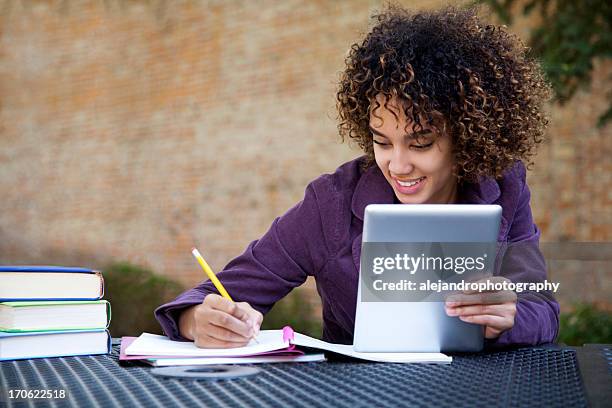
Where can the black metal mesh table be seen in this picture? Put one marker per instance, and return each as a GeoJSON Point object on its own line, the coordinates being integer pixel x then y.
{"type": "Point", "coordinates": [525, 377]}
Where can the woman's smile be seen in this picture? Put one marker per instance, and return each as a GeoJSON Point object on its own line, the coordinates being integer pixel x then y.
{"type": "Point", "coordinates": [409, 186]}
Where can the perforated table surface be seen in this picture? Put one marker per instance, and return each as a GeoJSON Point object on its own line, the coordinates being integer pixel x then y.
{"type": "Point", "coordinates": [524, 377]}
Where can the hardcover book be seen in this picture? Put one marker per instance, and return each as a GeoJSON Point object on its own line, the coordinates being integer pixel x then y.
{"type": "Point", "coordinates": [50, 283]}
{"type": "Point", "coordinates": [45, 315]}
{"type": "Point", "coordinates": [15, 346]}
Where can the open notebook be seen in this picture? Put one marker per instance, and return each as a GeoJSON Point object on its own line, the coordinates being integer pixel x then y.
{"type": "Point", "coordinates": [292, 356]}
{"type": "Point", "coordinates": [268, 343]}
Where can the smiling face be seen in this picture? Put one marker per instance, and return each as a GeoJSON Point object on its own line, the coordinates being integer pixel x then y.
{"type": "Point", "coordinates": [419, 170]}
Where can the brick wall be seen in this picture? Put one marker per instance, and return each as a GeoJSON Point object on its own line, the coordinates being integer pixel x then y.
{"type": "Point", "coordinates": [133, 130]}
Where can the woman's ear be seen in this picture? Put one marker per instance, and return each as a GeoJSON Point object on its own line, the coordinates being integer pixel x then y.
{"type": "Point", "coordinates": [455, 168]}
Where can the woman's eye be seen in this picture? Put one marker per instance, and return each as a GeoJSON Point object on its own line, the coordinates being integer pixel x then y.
{"type": "Point", "coordinates": [421, 147]}
{"type": "Point", "coordinates": [417, 147]}
{"type": "Point", "coordinates": [380, 143]}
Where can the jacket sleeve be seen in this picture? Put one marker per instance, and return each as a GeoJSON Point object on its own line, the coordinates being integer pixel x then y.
{"type": "Point", "coordinates": [537, 313]}
{"type": "Point", "coordinates": [292, 249]}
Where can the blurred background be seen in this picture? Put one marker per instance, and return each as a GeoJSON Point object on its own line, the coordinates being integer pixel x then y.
{"type": "Point", "coordinates": [131, 131]}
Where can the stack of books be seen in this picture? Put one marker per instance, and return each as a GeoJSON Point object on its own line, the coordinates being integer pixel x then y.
{"type": "Point", "coordinates": [52, 311]}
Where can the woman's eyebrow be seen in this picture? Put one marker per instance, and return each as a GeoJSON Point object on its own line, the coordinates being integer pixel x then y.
{"type": "Point", "coordinates": [407, 136]}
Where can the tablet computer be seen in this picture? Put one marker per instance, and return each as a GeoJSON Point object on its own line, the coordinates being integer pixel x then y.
{"type": "Point", "coordinates": [419, 326]}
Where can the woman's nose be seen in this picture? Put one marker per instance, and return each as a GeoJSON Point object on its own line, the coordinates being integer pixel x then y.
{"type": "Point", "coordinates": [401, 162]}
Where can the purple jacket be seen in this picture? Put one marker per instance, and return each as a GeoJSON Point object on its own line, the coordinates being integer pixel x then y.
{"type": "Point", "coordinates": [321, 236]}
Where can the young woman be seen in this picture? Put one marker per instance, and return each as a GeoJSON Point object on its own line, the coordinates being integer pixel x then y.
{"type": "Point", "coordinates": [446, 110]}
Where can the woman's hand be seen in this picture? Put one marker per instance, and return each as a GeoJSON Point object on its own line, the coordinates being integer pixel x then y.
{"type": "Point", "coordinates": [494, 310]}
{"type": "Point", "coordinates": [220, 323]}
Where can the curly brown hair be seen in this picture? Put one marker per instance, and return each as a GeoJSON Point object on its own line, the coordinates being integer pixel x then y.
{"type": "Point", "coordinates": [451, 72]}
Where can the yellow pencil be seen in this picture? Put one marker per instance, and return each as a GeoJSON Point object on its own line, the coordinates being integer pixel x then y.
{"type": "Point", "coordinates": [212, 277]}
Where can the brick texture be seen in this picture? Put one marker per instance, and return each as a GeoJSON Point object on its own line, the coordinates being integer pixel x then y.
{"type": "Point", "coordinates": [133, 130]}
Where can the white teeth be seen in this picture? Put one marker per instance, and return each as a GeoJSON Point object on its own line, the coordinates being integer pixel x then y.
{"type": "Point", "coordinates": [409, 183]}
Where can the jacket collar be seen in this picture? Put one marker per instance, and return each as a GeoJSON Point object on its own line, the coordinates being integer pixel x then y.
{"type": "Point", "coordinates": [485, 191]}
{"type": "Point", "coordinates": [373, 188]}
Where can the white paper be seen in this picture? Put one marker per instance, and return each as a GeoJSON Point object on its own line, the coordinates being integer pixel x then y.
{"type": "Point", "coordinates": [347, 350]}
{"type": "Point", "coordinates": [269, 340]}
{"type": "Point", "coordinates": [155, 345]}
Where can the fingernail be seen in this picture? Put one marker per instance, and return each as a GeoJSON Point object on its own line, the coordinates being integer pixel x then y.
{"type": "Point", "coordinates": [452, 304]}
{"type": "Point", "coordinates": [451, 312]}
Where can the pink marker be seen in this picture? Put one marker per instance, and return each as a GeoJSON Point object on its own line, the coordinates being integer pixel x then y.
{"type": "Point", "coordinates": [288, 334]}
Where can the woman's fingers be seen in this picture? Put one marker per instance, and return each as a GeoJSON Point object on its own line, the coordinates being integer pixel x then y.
{"type": "Point", "coordinates": [219, 323]}
{"type": "Point", "coordinates": [206, 341]}
{"type": "Point", "coordinates": [484, 298]}
{"type": "Point", "coordinates": [223, 334]}
{"type": "Point", "coordinates": [229, 322]}
{"type": "Point", "coordinates": [253, 317]}
{"type": "Point", "coordinates": [494, 325]}
{"type": "Point", "coordinates": [495, 317]}
{"type": "Point", "coordinates": [494, 310]}
{"type": "Point", "coordinates": [225, 305]}
{"type": "Point", "coordinates": [486, 309]}
{"type": "Point", "coordinates": [486, 320]}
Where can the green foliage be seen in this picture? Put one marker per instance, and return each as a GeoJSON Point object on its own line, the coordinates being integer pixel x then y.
{"type": "Point", "coordinates": [585, 324]}
{"type": "Point", "coordinates": [296, 311]}
{"type": "Point", "coordinates": [134, 292]}
{"type": "Point", "coordinates": [569, 37]}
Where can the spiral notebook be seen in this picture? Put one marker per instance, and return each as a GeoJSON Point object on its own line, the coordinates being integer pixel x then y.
{"type": "Point", "coordinates": [269, 342]}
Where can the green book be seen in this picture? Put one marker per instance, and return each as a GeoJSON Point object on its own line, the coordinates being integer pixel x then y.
{"type": "Point", "coordinates": [31, 316]}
